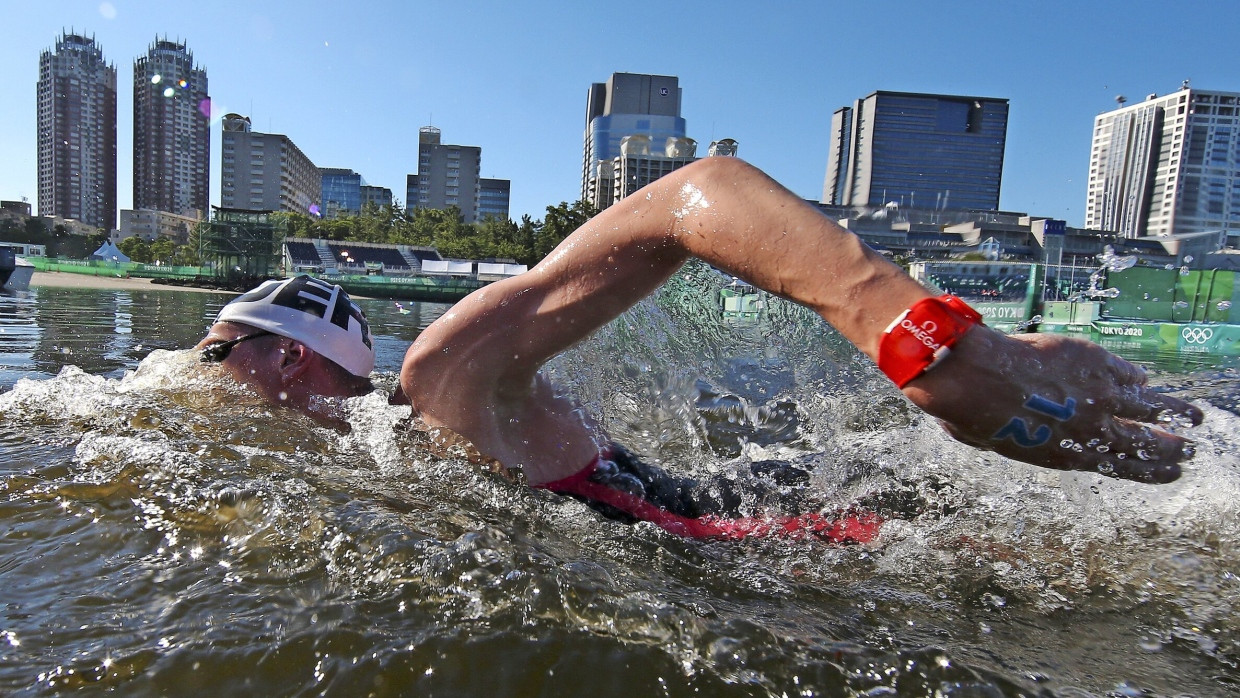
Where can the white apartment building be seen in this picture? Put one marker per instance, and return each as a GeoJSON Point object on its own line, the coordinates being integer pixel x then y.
{"type": "Point", "coordinates": [1167, 165]}
{"type": "Point", "coordinates": [265, 171]}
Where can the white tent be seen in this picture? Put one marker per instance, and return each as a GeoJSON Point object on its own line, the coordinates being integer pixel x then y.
{"type": "Point", "coordinates": [109, 253]}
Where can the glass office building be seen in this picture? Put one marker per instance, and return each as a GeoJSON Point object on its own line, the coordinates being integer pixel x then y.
{"type": "Point", "coordinates": [342, 192]}
{"type": "Point", "coordinates": [628, 104]}
{"type": "Point", "coordinates": [493, 198]}
{"type": "Point", "coordinates": [917, 151]}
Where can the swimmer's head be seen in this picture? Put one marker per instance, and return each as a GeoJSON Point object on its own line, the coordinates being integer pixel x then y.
{"type": "Point", "coordinates": [293, 339]}
{"type": "Point", "coordinates": [318, 314]}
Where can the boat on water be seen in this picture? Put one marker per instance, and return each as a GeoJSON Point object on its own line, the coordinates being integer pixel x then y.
{"type": "Point", "coordinates": [15, 272]}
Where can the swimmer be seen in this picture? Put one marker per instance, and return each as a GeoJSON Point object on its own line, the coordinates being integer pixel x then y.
{"type": "Point", "coordinates": [475, 371]}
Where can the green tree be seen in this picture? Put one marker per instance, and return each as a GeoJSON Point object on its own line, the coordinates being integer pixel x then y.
{"type": "Point", "coordinates": [136, 249]}
{"type": "Point", "coordinates": [560, 222]}
{"type": "Point", "coordinates": [36, 232]}
{"type": "Point", "coordinates": [162, 250]}
{"type": "Point", "coordinates": [296, 225]}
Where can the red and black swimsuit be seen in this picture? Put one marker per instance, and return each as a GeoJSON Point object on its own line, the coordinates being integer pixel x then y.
{"type": "Point", "coordinates": [618, 485]}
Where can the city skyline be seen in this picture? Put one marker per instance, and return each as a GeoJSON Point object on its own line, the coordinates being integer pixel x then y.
{"type": "Point", "coordinates": [352, 89]}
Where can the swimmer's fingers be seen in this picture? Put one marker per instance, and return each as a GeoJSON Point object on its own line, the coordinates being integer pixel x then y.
{"type": "Point", "coordinates": [1123, 449]}
{"type": "Point", "coordinates": [1142, 404]}
{"type": "Point", "coordinates": [1058, 403]}
{"type": "Point", "coordinates": [1120, 449]}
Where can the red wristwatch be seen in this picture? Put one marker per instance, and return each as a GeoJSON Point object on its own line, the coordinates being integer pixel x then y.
{"type": "Point", "coordinates": [922, 335]}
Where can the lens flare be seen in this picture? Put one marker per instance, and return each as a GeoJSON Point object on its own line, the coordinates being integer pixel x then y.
{"type": "Point", "coordinates": [182, 83]}
{"type": "Point", "coordinates": [314, 210]}
{"type": "Point", "coordinates": [204, 107]}
{"type": "Point", "coordinates": [168, 91]}
{"type": "Point", "coordinates": [156, 78]}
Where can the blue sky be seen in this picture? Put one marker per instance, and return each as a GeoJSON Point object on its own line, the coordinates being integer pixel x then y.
{"type": "Point", "coordinates": [351, 82]}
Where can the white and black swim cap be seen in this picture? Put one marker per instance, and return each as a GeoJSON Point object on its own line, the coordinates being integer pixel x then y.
{"type": "Point", "coordinates": [315, 313]}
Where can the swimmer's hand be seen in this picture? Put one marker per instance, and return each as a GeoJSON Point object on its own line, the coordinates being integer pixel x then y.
{"type": "Point", "coordinates": [1057, 402]}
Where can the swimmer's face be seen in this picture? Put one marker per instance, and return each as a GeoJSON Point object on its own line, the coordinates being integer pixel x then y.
{"type": "Point", "coordinates": [250, 355]}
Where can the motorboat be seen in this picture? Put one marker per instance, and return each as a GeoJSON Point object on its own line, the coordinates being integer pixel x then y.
{"type": "Point", "coordinates": [15, 272]}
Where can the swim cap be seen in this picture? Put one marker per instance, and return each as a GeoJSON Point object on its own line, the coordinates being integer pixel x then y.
{"type": "Point", "coordinates": [315, 313]}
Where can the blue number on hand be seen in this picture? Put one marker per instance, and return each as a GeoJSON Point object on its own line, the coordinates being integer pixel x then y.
{"type": "Point", "coordinates": [1052, 409]}
{"type": "Point", "coordinates": [1018, 430]}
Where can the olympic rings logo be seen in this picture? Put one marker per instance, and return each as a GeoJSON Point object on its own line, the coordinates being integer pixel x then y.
{"type": "Point", "coordinates": [1196, 335]}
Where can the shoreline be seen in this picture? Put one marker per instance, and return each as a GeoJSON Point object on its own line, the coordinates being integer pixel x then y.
{"type": "Point", "coordinates": [57, 279]}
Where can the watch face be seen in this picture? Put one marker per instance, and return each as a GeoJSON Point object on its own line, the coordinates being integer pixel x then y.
{"type": "Point", "coordinates": [922, 336]}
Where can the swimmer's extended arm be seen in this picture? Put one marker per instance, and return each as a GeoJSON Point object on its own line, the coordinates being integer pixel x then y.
{"type": "Point", "coordinates": [474, 370]}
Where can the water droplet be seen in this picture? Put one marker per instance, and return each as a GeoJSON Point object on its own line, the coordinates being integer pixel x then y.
{"type": "Point", "coordinates": [1150, 644]}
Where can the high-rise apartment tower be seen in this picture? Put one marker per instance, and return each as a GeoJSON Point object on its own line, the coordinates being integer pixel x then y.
{"type": "Point", "coordinates": [77, 133]}
{"type": "Point", "coordinates": [918, 151]}
{"type": "Point", "coordinates": [171, 131]}
{"type": "Point", "coordinates": [1167, 165]}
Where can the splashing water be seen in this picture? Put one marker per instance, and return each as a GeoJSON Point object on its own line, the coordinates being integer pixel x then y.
{"type": "Point", "coordinates": [165, 529]}
{"type": "Point", "coordinates": [1113, 262]}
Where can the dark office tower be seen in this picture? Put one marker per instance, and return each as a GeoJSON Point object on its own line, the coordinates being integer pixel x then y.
{"type": "Point", "coordinates": [77, 133]}
{"type": "Point", "coordinates": [171, 131]}
{"type": "Point", "coordinates": [917, 151]}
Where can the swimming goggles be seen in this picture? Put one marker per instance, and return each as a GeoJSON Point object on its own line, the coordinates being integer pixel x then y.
{"type": "Point", "coordinates": [219, 351]}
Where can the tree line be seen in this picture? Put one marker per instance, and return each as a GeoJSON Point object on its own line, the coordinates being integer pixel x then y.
{"type": "Point", "coordinates": [443, 229]}
{"type": "Point", "coordinates": [526, 242]}
{"type": "Point", "coordinates": [56, 238]}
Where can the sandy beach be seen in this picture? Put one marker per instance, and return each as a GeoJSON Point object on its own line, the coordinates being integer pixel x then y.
{"type": "Point", "coordinates": [57, 279]}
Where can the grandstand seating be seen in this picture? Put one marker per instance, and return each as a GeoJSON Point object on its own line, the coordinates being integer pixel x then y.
{"type": "Point", "coordinates": [357, 258]}
{"type": "Point", "coordinates": [350, 255]}
{"type": "Point", "coordinates": [303, 253]}
{"type": "Point", "coordinates": [423, 255]}
{"type": "Point", "coordinates": [1007, 288]}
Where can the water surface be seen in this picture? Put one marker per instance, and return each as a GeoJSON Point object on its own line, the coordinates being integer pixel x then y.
{"type": "Point", "coordinates": [163, 533]}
